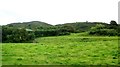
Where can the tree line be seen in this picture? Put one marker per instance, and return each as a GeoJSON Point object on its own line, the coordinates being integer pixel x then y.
{"type": "Point", "coordinates": [21, 35]}
{"type": "Point", "coordinates": [112, 29]}
{"type": "Point", "coordinates": [11, 34]}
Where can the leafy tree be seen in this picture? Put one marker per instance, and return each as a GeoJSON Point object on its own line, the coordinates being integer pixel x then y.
{"type": "Point", "coordinates": [13, 35]}
{"type": "Point", "coordinates": [68, 28]}
{"type": "Point", "coordinates": [112, 22]}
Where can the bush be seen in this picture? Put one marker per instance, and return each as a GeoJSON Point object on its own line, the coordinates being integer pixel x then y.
{"type": "Point", "coordinates": [13, 35]}
{"type": "Point", "coordinates": [102, 30]}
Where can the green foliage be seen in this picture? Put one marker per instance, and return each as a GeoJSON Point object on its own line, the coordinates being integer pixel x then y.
{"type": "Point", "coordinates": [100, 29]}
{"type": "Point", "coordinates": [114, 23]}
{"type": "Point", "coordinates": [68, 28]}
{"type": "Point", "coordinates": [27, 31]}
{"type": "Point", "coordinates": [54, 31]}
{"type": "Point", "coordinates": [98, 26]}
{"type": "Point", "coordinates": [13, 35]}
{"type": "Point", "coordinates": [82, 26]}
{"type": "Point", "coordinates": [30, 25]}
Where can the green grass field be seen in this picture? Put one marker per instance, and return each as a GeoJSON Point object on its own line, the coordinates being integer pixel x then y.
{"type": "Point", "coordinates": [74, 49]}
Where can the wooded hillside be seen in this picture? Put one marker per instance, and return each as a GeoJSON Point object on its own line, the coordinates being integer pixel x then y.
{"type": "Point", "coordinates": [28, 31]}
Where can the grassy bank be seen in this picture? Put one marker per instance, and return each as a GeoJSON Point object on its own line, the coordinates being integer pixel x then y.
{"type": "Point", "coordinates": [74, 49]}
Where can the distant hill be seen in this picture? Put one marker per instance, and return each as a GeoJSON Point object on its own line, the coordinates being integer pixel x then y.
{"type": "Point", "coordinates": [30, 25]}
{"type": "Point", "coordinates": [38, 25]}
{"type": "Point", "coordinates": [82, 26]}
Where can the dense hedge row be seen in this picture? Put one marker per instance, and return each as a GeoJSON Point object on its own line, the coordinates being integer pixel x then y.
{"type": "Point", "coordinates": [112, 29]}
{"type": "Point", "coordinates": [109, 32]}
{"type": "Point", "coordinates": [13, 35]}
{"type": "Point", "coordinates": [20, 35]}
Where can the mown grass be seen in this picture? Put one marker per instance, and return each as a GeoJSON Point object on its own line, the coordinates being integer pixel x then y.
{"type": "Point", "coordinates": [74, 49]}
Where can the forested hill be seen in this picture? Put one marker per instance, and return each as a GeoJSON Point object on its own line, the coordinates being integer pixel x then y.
{"type": "Point", "coordinates": [28, 31]}
{"type": "Point", "coordinates": [38, 25]}
{"type": "Point", "coordinates": [30, 25]}
{"type": "Point", "coordinates": [82, 26]}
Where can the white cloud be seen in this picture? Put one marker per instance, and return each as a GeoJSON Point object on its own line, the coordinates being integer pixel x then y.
{"type": "Point", "coordinates": [58, 11]}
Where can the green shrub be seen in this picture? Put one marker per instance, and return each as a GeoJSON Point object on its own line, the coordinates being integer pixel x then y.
{"type": "Point", "coordinates": [102, 30]}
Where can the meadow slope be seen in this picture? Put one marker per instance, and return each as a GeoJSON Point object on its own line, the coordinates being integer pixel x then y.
{"type": "Point", "coordinates": [74, 49]}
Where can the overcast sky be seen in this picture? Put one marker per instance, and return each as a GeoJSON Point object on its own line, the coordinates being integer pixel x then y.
{"type": "Point", "coordinates": [58, 11]}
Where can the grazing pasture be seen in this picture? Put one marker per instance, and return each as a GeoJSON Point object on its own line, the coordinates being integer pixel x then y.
{"type": "Point", "coordinates": [74, 49]}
